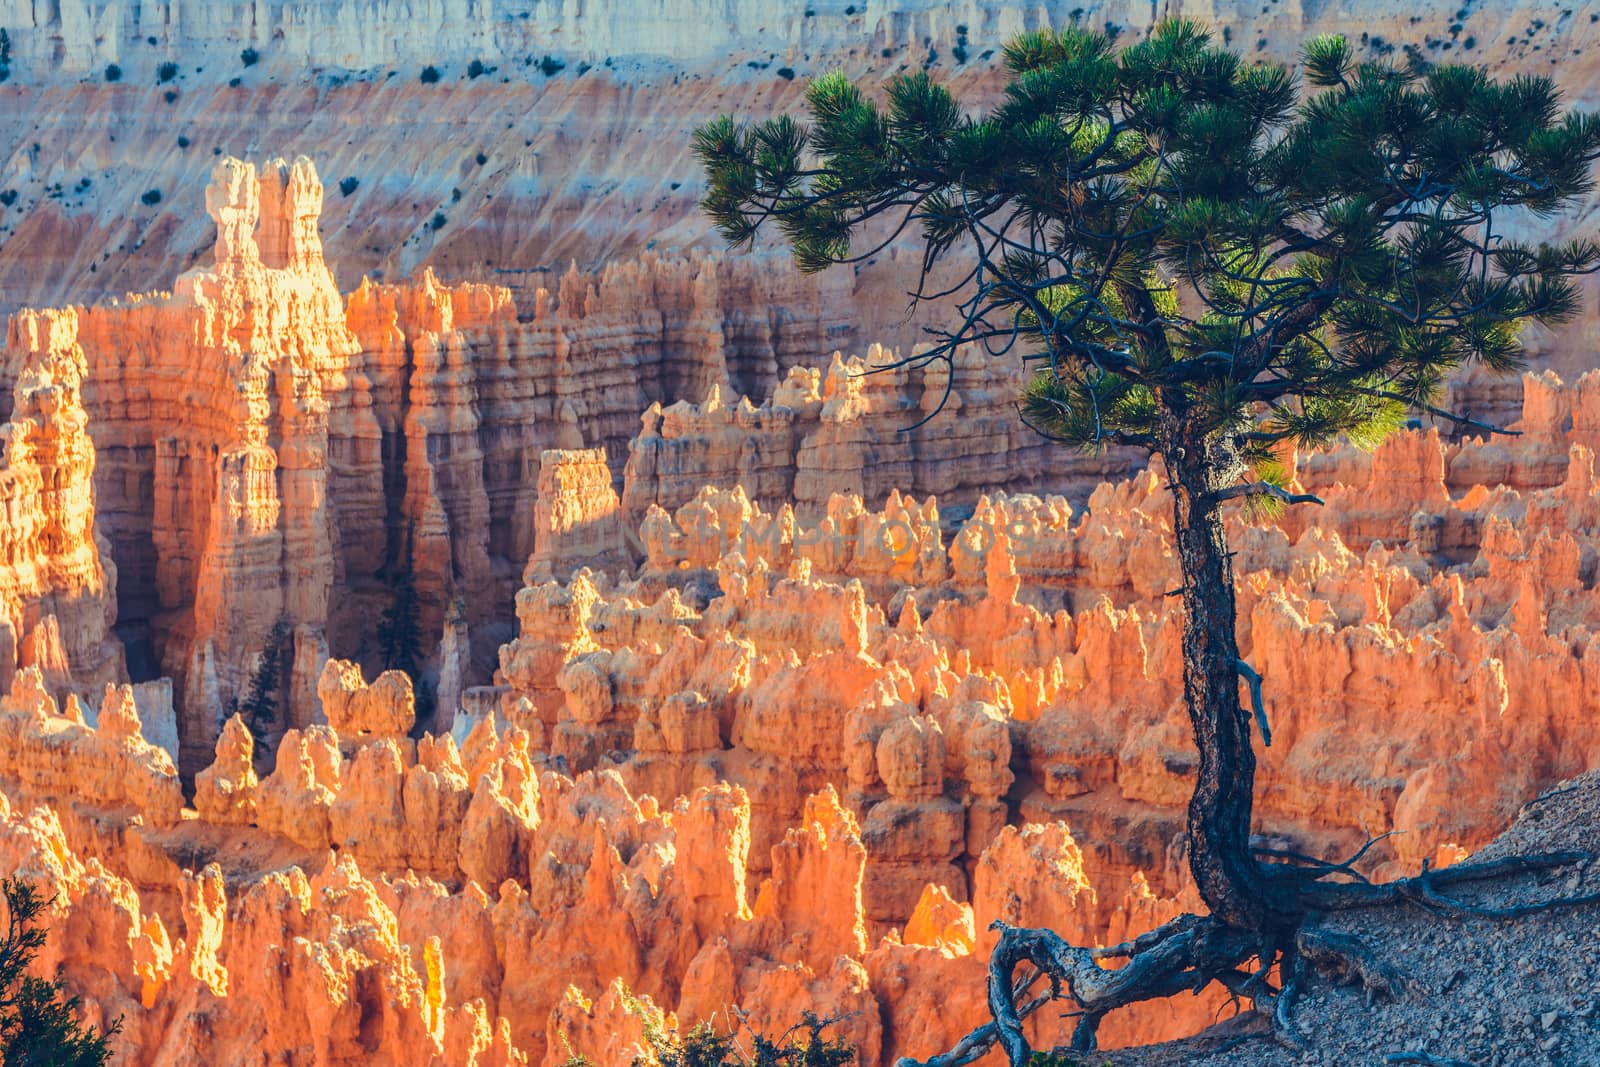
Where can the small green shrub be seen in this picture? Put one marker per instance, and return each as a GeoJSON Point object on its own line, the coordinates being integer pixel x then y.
{"type": "Point", "coordinates": [438, 221]}
{"type": "Point", "coordinates": [348, 185]}
{"type": "Point", "coordinates": [430, 74]}
{"type": "Point", "coordinates": [166, 72]}
{"type": "Point", "coordinates": [550, 66]}
{"type": "Point", "coordinates": [802, 1045]}
{"type": "Point", "coordinates": [476, 69]}
{"type": "Point", "coordinates": [786, 73]}
{"type": "Point", "coordinates": [249, 57]}
{"type": "Point", "coordinates": [151, 197]}
{"type": "Point", "coordinates": [113, 72]}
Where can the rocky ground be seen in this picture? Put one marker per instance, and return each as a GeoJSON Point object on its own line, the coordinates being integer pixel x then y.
{"type": "Point", "coordinates": [1489, 993]}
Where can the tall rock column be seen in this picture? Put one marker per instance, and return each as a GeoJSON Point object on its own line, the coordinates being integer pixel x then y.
{"type": "Point", "coordinates": [57, 581]}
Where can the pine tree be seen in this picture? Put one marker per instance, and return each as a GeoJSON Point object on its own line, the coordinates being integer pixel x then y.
{"type": "Point", "coordinates": [260, 705]}
{"type": "Point", "coordinates": [1204, 259]}
{"type": "Point", "coordinates": [400, 642]}
{"type": "Point", "coordinates": [38, 1028]}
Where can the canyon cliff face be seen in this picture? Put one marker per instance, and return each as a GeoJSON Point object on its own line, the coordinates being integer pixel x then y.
{"type": "Point", "coordinates": [57, 579]}
{"type": "Point", "coordinates": [269, 454]}
{"type": "Point", "coordinates": [271, 457]}
{"type": "Point", "coordinates": [743, 695]}
{"type": "Point", "coordinates": [852, 428]}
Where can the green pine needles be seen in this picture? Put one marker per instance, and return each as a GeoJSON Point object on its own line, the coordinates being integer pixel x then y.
{"type": "Point", "coordinates": [38, 1026]}
{"type": "Point", "coordinates": [400, 643]}
{"type": "Point", "coordinates": [1166, 225]}
{"type": "Point", "coordinates": [1202, 258]}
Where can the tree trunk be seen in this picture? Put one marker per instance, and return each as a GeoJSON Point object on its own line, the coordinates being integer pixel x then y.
{"type": "Point", "coordinates": [1230, 881]}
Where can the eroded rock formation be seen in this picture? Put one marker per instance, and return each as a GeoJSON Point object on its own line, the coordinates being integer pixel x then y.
{"type": "Point", "coordinates": [266, 453]}
{"type": "Point", "coordinates": [773, 726]}
{"type": "Point", "coordinates": [849, 430]}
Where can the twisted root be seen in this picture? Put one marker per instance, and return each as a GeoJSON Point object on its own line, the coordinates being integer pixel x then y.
{"type": "Point", "coordinates": [1192, 951]}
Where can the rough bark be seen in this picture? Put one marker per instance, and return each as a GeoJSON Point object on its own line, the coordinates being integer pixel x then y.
{"type": "Point", "coordinates": [1230, 881]}
{"type": "Point", "coordinates": [1266, 913]}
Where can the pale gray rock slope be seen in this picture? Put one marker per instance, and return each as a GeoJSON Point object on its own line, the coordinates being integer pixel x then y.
{"type": "Point", "coordinates": [531, 163]}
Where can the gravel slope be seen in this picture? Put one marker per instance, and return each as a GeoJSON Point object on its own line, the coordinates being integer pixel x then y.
{"type": "Point", "coordinates": [1488, 993]}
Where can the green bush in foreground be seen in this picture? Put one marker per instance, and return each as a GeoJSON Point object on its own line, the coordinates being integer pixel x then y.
{"type": "Point", "coordinates": [38, 1027]}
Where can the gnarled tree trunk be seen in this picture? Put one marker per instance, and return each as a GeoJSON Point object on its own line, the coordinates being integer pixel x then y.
{"type": "Point", "coordinates": [1230, 881]}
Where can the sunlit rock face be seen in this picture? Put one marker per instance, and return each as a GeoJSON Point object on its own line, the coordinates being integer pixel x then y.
{"type": "Point", "coordinates": [788, 758]}
{"type": "Point", "coordinates": [744, 695]}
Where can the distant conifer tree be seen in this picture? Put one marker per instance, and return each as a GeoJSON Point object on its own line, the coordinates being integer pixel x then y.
{"type": "Point", "coordinates": [260, 704]}
{"type": "Point", "coordinates": [400, 642]}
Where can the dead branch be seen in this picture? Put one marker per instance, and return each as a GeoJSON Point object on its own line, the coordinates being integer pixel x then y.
{"type": "Point", "coordinates": [1423, 890]}
{"type": "Point", "coordinates": [978, 1043]}
{"type": "Point", "coordinates": [1171, 961]}
{"type": "Point", "coordinates": [1244, 489]}
{"type": "Point", "coordinates": [1325, 868]}
{"type": "Point", "coordinates": [1147, 940]}
{"type": "Point", "coordinates": [1253, 677]}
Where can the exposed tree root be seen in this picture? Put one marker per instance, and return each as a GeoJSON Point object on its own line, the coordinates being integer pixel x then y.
{"type": "Point", "coordinates": [1347, 961]}
{"type": "Point", "coordinates": [1425, 1059]}
{"type": "Point", "coordinates": [1192, 951]}
{"type": "Point", "coordinates": [1425, 889]}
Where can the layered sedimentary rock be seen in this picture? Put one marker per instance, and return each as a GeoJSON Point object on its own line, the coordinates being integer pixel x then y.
{"type": "Point", "coordinates": [578, 518]}
{"type": "Point", "coordinates": [570, 136]}
{"type": "Point", "coordinates": [852, 429]}
{"type": "Point", "coordinates": [796, 763]}
{"type": "Point", "coordinates": [208, 411]}
{"type": "Point", "coordinates": [280, 466]}
{"type": "Point", "coordinates": [57, 578]}
{"type": "Point", "coordinates": [271, 456]}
